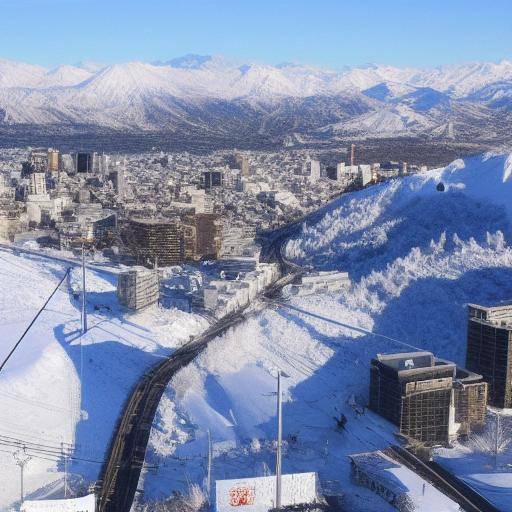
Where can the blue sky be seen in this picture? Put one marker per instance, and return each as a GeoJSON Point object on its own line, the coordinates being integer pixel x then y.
{"type": "Point", "coordinates": [320, 32]}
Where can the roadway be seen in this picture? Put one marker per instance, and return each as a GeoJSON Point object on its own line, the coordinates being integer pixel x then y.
{"type": "Point", "coordinates": [120, 475]}
{"type": "Point", "coordinates": [468, 499]}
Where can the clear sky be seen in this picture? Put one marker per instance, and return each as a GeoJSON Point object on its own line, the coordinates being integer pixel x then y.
{"type": "Point", "coordinates": [328, 33]}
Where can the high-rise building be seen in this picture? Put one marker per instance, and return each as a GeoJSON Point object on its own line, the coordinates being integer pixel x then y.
{"type": "Point", "coordinates": [117, 179]}
{"type": "Point", "coordinates": [38, 183]}
{"type": "Point", "coordinates": [85, 162]}
{"type": "Point", "coordinates": [489, 349]}
{"type": "Point", "coordinates": [38, 160]}
{"type": "Point", "coordinates": [314, 170]}
{"type": "Point", "coordinates": [242, 163]}
{"type": "Point", "coordinates": [155, 242]}
{"type": "Point", "coordinates": [212, 179]}
{"type": "Point", "coordinates": [202, 236]}
{"type": "Point", "coordinates": [429, 399]}
{"type": "Point", "coordinates": [53, 160]}
{"type": "Point", "coordinates": [138, 288]}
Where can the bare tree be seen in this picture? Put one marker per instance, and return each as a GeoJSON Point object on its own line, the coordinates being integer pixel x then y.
{"type": "Point", "coordinates": [495, 439]}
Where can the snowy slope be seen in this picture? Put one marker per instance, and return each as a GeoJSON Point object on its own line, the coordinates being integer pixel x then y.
{"type": "Point", "coordinates": [416, 257]}
{"type": "Point", "coordinates": [60, 387]}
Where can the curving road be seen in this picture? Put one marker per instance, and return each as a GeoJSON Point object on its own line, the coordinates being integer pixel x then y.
{"type": "Point", "coordinates": [120, 475]}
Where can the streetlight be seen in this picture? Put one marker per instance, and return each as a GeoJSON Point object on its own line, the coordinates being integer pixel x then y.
{"type": "Point", "coordinates": [279, 436]}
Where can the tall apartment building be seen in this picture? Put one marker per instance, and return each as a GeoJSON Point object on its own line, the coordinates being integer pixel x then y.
{"type": "Point", "coordinates": [314, 170]}
{"type": "Point", "coordinates": [489, 349]}
{"type": "Point", "coordinates": [37, 183]}
{"type": "Point", "coordinates": [365, 175]}
{"type": "Point", "coordinates": [429, 399]}
{"type": "Point", "coordinates": [155, 242]}
{"type": "Point", "coordinates": [138, 288]}
{"type": "Point", "coordinates": [242, 163]}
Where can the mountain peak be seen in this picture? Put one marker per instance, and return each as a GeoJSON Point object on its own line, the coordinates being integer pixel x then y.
{"type": "Point", "coordinates": [189, 61]}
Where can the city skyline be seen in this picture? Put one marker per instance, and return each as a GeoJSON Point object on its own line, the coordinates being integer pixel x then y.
{"type": "Point", "coordinates": [327, 34]}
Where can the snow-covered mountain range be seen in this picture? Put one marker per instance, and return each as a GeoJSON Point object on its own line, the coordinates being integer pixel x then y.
{"type": "Point", "coordinates": [213, 94]}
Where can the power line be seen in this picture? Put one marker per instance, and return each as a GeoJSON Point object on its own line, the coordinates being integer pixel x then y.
{"type": "Point", "coordinates": [342, 324]}
{"type": "Point", "coordinates": [33, 320]}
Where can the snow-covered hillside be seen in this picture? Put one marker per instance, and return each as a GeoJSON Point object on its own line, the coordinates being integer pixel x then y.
{"type": "Point", "coordinates": [416, 255]}
{"type": "Point", "coordinates": [61, 387]}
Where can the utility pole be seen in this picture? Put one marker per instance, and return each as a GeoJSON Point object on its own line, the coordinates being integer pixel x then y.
{"type": "Point", "coordinates": [84, 294]}
{"type": "Point", "coordinates": [279, 439]}
{"type": "Point", "coordinates": [21, 458]}
{"type": "Point", "coordinates": [64, 454]}
{"type": "Point", "coordinates": [209, 471]}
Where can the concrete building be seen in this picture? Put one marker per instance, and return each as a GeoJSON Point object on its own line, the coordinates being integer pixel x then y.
{"type": "Point", "coordinates": [38, 160]}
{"type": "Point", "coordinates": [314, 170]}
{"type": "Point", "coordinates": [85, 162]}
{"type": "Point", "coordinates": [489, 349]}
{"type": "Point", "coordinates": [365, 175]}
{"type": "Point", "coordinates": [138, 288]}
{"type": "Point", "coordinates": [89, 223]}
{"type": "Point", "coordinates": [323, 281]}
{"type": "Point", "coordinates": [155, 241]}
{"type": "Point", "coordinates": [429, 399]}
{"type": "Point", "coordinates": [242, 163]}
{"type": "Point", "coordinates": [37, 183]}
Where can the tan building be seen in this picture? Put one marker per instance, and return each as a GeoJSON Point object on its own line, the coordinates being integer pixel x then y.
{"type": "Point", "coordinates": [53, 160]}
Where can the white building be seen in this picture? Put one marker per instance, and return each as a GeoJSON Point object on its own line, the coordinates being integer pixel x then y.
{"type": "Point", "coordinates": [340, 171]}
{"type": "Point", "coordinates": [365, 175]}
{"type": "Point", "coordinates": [38, 183]}
{"type": "Point", "coordinates": [323, 281]}
{"type": "Point", "coordinates": [314, 171]}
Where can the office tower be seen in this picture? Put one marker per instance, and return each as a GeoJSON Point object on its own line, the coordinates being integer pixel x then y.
{"type": "Point", "coordinates": [212, 179]}
{"type": "Point", "coordinates": [429, 399]}
{"type": "Point", "coordinates": [489, 349]}
{"type": "Point", "coordinates": [155, 242]}
{"type": "Point", "coordinates": [53, 160]}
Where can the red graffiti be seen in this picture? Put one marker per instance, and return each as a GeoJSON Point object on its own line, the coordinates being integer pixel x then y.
{"type": "Point", "coordinates": [239, 496]}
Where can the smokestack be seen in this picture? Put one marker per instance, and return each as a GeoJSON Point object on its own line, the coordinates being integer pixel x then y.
{"type": "Point", "coordinates": [352, 154]}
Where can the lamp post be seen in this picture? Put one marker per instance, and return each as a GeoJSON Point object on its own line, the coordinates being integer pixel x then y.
{"type": "Point", "coordinates": [279, 437]}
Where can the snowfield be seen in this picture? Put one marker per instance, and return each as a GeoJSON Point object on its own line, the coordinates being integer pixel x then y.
{"type": "Point", "coordinates": [417, 256]}
{"type": "Point", "coordinates": [61, 387]}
